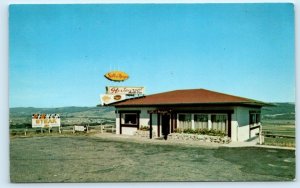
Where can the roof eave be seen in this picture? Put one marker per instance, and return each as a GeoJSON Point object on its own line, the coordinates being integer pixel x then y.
{"type": "Point", "coordinates": [194, 104]}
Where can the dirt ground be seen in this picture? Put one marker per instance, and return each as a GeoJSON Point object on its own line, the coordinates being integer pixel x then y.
{"type": "Point", "coordinates": [107, 159]}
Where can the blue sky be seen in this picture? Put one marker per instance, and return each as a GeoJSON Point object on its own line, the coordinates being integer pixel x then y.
{"type": "Point", "coordinates": [59, 53]}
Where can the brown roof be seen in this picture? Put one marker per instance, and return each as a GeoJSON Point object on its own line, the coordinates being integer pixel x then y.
{"type": "Point", "coordinates": [189, 96]}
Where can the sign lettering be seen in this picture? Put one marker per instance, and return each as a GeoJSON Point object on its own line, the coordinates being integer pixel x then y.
{"type": "Point", "coordinates": [116, 76]}
{"type": "Point", "coordinates": [45, 120]}
{"type": "Point", "coordinates": [125, 90]}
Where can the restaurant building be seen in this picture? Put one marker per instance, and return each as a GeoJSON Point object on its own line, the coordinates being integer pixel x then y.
{"type": "Point", "coordinates": [237, 117]}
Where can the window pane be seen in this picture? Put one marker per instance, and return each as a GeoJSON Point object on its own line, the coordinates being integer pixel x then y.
{"type": "Point", "coordinates": [219, 122]}
{"type": "Point", "coordinates": [184, 117]}
{"type": "Point", "coordinates": [252, 118]}
{"type": "Point", "coordinates": [201, 121]}
{"type": "Point", "coordinates": [130, 118]}
{"type": "Point", "coordinates": [185, 121]}
{"type": "Point", "coordinates": [257, 118]}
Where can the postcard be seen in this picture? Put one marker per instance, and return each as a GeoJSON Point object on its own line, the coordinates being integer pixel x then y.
{"type": "Point", "coordinates": [151, 92]}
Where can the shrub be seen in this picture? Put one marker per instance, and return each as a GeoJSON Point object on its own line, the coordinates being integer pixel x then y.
{"type": "Point", "coordinates": [20, 126]}
{"type": "Point", "coordinates": [144, 128]}
{"type": "Point", "coordinates": [178, 130]}
{"type": "Point", "coordinates": [189, 131]}
{"type": "Point", "coordinates": [210, 132]}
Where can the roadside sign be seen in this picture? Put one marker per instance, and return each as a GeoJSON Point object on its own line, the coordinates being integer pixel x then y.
{"type": "Point", "coordinates": [125, 90]}
{"type": "Point", "coordinates": [45, 120]}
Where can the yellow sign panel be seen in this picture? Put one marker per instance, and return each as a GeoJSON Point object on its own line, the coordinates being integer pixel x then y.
{"type": "Point", "coordinates": [45, 120]}
{"type": "Point", "coordinates": [116, 76]}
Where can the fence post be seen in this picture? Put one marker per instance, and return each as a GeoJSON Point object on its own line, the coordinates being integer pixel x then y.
{"type": "Point", "coordinates": [25, 131]}
{"type": "Point", "coordinates": [260, 135]}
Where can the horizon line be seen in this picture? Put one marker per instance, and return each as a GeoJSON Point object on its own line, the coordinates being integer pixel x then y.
{"type": "Point", "coordinates": [100, 106]}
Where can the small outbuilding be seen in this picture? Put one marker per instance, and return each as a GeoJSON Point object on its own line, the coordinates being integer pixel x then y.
{"type": "Point", "coordinates": [237, 117]}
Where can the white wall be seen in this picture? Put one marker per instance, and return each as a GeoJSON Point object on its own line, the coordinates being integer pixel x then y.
{"type": "Point", "coordinates": [254, 132]}
{"type": "Point", "coordinates": [242, 115]}
{"type": "Point", "coordinates": [144, 120]}
{"type": "Point", "coordinates": [117, 124]}
{"type": "Point", "coordinates": [243, 133]}
{"type": "Point", "coordinates": [242, 118]}
{"type": "Point", "coordinates": [128, 130]}
{"type": "Point", "coordinates": [240, 124]}
{"type": "Point", "coordinates": [144, 117]}
{"type": "Point", "coordinates": [234, 128]}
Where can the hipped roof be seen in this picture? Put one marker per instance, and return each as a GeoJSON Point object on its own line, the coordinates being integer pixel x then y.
{"type": "Point", "coordinates": [188, 97]}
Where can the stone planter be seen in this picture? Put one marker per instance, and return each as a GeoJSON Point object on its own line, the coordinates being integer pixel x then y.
{"type": "Point", "coordinates": [144, 134]}
{"type": "Point", "coordinates": [197, 137]}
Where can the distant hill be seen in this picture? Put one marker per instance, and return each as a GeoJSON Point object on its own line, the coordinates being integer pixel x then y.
{"type": "Point", "coordinates": [280, 111]}
{"type": "Point", "coordinates": [21, 117]}
{"type": "Point", "coordinates": [72, 111]}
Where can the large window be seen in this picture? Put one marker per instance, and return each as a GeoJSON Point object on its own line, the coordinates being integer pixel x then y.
{"type": "Point", "coordinates": [130, 119]}
{"type": "Point", "coordinates": [254, 118]}
{"type": "Point", "coordinates": [185, 121]}
{"type": "Point", "coordinates": [219, 122]}
{"type": "Point", "coordinates": [201, 121]}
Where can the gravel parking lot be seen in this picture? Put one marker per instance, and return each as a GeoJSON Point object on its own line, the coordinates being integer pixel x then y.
{"type": "Point", "coordinates": [81, 158]}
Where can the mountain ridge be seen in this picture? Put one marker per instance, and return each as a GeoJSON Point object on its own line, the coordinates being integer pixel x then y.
{"type": "Point", "coordinates": [282, 110]}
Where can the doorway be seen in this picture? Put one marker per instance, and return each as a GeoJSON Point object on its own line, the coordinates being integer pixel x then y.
{"type": "Point", "coordinates": [165, 121]}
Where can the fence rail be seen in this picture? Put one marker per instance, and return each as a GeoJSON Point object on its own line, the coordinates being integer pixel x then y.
{"type": "Point", "coordinates": [68, 129]}
{"type": "Point", "coordinates": [278, 136]}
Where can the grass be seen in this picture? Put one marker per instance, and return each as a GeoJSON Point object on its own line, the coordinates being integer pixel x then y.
{"type": "Point", "coordinates": [287, 129]}
{"type": "Point", "coordinates": [262, 161]}
{"type": "Point", "coordinates": [285, 142]}
{"type": "Point", "coordinates": [280, 127]}
{"type": "Point", "coordinates": [89, 159]}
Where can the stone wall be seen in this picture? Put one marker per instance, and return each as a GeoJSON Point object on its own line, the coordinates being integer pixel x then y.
{"type": "Point", "coordinates": [198, 137]}
{"type": "Point", "coordinates": [185, 136]}
{"type": "Point", "coordinates": [144, 134]}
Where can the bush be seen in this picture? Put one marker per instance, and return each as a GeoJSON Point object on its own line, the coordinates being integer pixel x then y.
{"type": "Point", "coordinates": [144, 128]}
{"type": "Point", "coordinates": [20, 126]}
{"type": "Point", "coordinates": [210, 132]}
{"type": "Point", "coordinates": [178, 130]}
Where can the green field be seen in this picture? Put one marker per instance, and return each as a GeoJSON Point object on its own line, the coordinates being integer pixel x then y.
{"type": "Point", "coordinates": [93, 159]}
{"type": "Point", "coordinates": [280, 127]}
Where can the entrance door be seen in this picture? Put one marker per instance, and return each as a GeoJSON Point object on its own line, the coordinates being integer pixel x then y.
{"type": "Point", "coordinates": [165, 121]}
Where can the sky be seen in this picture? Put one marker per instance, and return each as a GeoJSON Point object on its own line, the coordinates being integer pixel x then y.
{"type": "Point", "coordinates": [58, 54]}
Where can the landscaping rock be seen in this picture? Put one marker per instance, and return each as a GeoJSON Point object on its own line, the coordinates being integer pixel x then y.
{"type": "Point", "coordinates": [144, 134]}
{"type": "Point", "coordinates": [201, 138]}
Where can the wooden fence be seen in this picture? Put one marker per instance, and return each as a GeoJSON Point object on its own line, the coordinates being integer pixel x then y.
{"type": "Point", "coordinates": [68, 129]}
{"type": "Point", "coordinates": [278, 136]}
